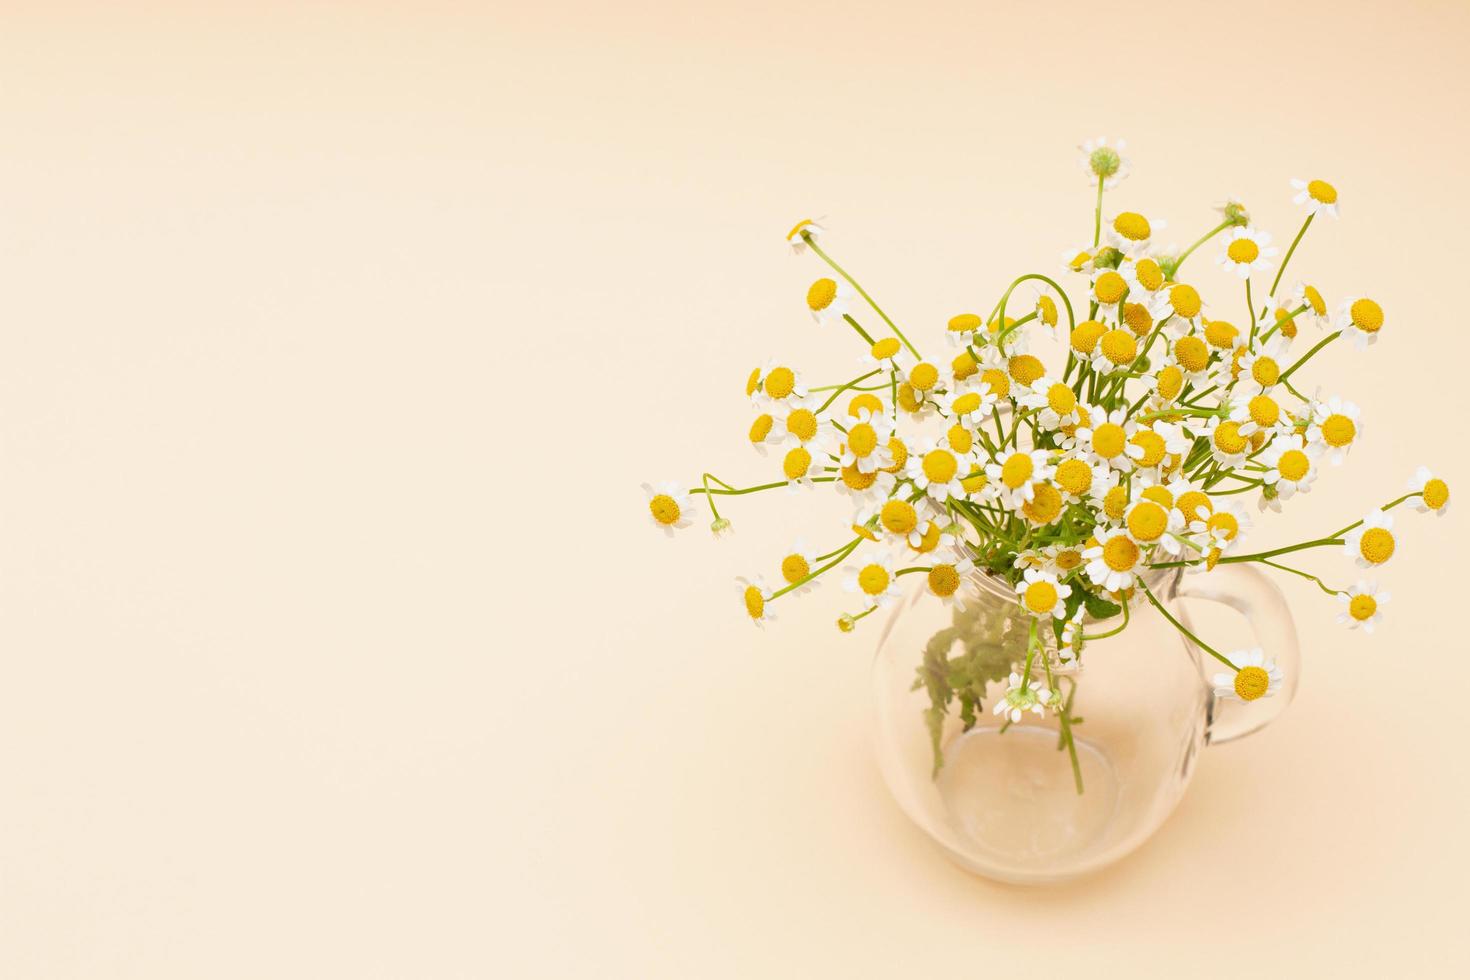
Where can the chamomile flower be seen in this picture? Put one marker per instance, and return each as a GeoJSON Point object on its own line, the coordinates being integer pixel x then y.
{"type": "Point", "coordinates": [1146, 282]}
{"type": "Point", "coordinates": [1045, 506]}
{"type": "Point", "coordinates": [797, 564]}
{"type": "Point", "coordinates": [897, 517]}
{"type": "Point", "coordinates": [1335, 426]}
{"type": "Point", "coordinates": [775, 382]}
{"type": "Point", "coordinates": [961, 330]}
{"type": "Point", "coordinates": [1192, 355]}
{"type": "Point", "coordinates": [1435, 492]}
{"type": "Point", "coordinates": [978, 488]}
{"type": "Point", "coordinates": [1017, 475]}
{"type": "Point", "coordinates": [798, 466]}
{"type": "Point", "coordinates": [1061, 560]}
{"type": "Point", "coordinates": [1131, 232]}
{"type": "Point", "coordinates": [1075, 476]}
{"type": "Point", "coordinates": [1150, 524]}
{"type": "Point", "coordinates": [1165, 382]}
{"type": "Point", "coordinates": [795, 423]}
{"type": "Point", "coordinates": [1106, 440]}
{"type": "Point", "coordinates": [968, 405]}
{"type": "Point", "coordinates": [1020, 698]}
{"type": "Point", "coordinates": [1228, 445]}
{"type": "Point", "coordinates": [865, 489]}
{"type": "Point", "coordinates": [1113, 562]}
{"type": "Point", "coordinates": [1248, 251]}
{"type": "Point", "coordinates": [1319, 196]}
{"type": "Point", "coordinates": [1071, 641]}
{"type": "Point", "coordinates": [1260, 370]}
{"type": "Point", "coordinates": [1361, 319]}
{"type": "Point", "coordinates": [1148, 450]}
{"type": "Point", "coordinates": [763, 433]}
{"type": "Point", "coordinates": [803, 229]}
{"type": "Point", "coordinates": [1362, 605]}
{"type": "Point", "coordinates": [1371, 543]}
{"type": "Point", "coordinates": [1180, 300]}
{"type": "Point", "coordinates": [1257, 676]}
{"type": "Point", "coordinates": [1108, 290]}
{"type": "Point", "coordinates": [1056, 402]}
{"type": "Point", "coordinates": [873, 579]}
{"type": "Point", "coordinates": [930, 537]}
{"type": "Point", "coordinates": [1105, 162]}
{"type": "Point", "coordinates": [828, 300]}
{"type": "Point", "coordinates": [947, 580]}
{"type": "Point", "coordinates": [865, 444]}
{"type": "Point", "coordinates": [1224, 527]}
{"type": "Point", "coordinates": [884, 354]}
{"type": "Point", "coordinates": [1041, 595]}
{"type": "Point", "coordinates": [755, 595]}
{"type": "Point", "coordinates": [1083, 259]}
{"type": "Point", "coordinates": [668, 506]}
{"type": "Point", "coordinates": [1307, 295]}
{"type": "Point", "coordinates": [1291, 466]}
{"type": "Point", "coordinates": [1256, 413]}
{"type": "Point", "coordinates": [1178, 439]}
{"type": "Point", "coordinates": [937, 469]}
{"type": "Point", "coordinates": [1046, 308]}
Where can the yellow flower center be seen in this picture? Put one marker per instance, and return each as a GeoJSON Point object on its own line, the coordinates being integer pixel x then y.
{"type": "Point", "coordinates": [1313, 297]}
{"type": "Point", "coordinates": [1074, 476]}
{"type": "Point", "coordinates": [1045, 505]}
{"type": "Point", "coordinates": [753, 382]}
{"type": "Point", "coordinates": [967, 403]}
{"type": "Point", "coordinates": [1221, 334]}
{"type": "Point", "coordinates": [1338, 430]}
{"type": "Point", "coordinates": [1046, 308]}
{"type": "Point", "coordinates": [964, 366]}
{"type": "Point", "coordinates": [974, 482]}
{"type": "Point", "coordinates": [794, 568]}
{"type": "Point", "coordinates": [873, 579]}
{"type": "Point", "coordinates": [1243, 250]}
{"type": "Point", "coordinates": [1322, 191]}
{"type": "Point", "coordinates": [940, 465]}
{"type": "Point", "coordinates": [1132, 226]}
{"type": "Point", "coordinates": [1264, 411]}
{"type": "Point", "coordinates": [1026, 369]}
{"type": "Point", "coordinates": [1000, 385]}
{"type": "Point", "coordinates": [780, 382]}
{"type": "Point", "coordinates": [761, 428]}
{"type": "Point", "coordinates": [1120, 554]}
{"type": "Point", "coordinates": [1138, 318]}
{"type": "Point", "coordinates": [798, 228]}
{"type": "Point", "coordinates": [1376, 545]}
{"type": "Point", "coordinates": [1171, 380]}
{"type": "Point", "coordinates": [1147, 520]}
{"type": "Point", "coordinates": [855, 479]}
{"type": "Point", "coordinates": [1293, 464]}
{"type": "Point", "coordinates": [1193, 504]}
{"type": "Point", "coordinates": [1114, 501]}
{"type": "Point", "coordinates": [1041, 597]}
{"type": "Point", "coordinates": [1068, 559]}
{"type": "Point", "coordinates": [886, 347]}
{"type": "Point", "coordinates": [944, 580]}
{"type": "Point", "coordinates": [1191, 353]}
{"type": "Point", "coordinates": [665, 509]}
{"type": "Point", "coordinates": [1362, 607]}
{"type": "Point", "coordinates": [1079, 261]}
{"type": "Point", "coordinates": [821, 294]}
{"type": "Point", "coordinates": [899, 516]}
{"type": "Point", "coordinates": [909, 398]}
{"type": "Point", "coordinates": [965, 323]}
{"type": "Point", "coordinates": [1185, 300]}
{"type": "Point", "coordinates": [924, 376]}
{"type": "Point", "coordinates": [960, 439]}
{"type": "Point", "coordinates": [1251, 683]}
{"type": "Point", "coordinates": [928, 538]}
{"type": "Point", "coordinates": [802, 423]}
{"type": "Point", "coordinates": [1228, 438]}
{"type": "Point", "coordinates": [1108, 440]}
{"type": "Point", "coordinates": [796, 463]}
{"type": "Point", "coordinates": [1086, 336]}
{"type": "Point", "coordinates": [1265, 371]}
{"type": "Point", "coordinates": [1109, 288]}
{"type": "Point", "coordinates": [1225, 523]}
{"type": "Point", "coordinates": [1285, 323]}
{"type": "Point", "coordinates": [867, 401]}
{"type": "Point", "coordinates": [755, 603]}
{"type": "Point", "coordinates": [1016, 470]}
{"type": "Point", "coordinates": [1119, 346]}
{"type": "Point", "coordinates": [1366, 315]}
{"type": "Point", "coordinates": [1159, 495]}
{"type": "Point", "coordinates": [861, 439]}
{"type": "Point", "coordinates": [1061, 399]}
{"type": "Point", "coordinates": [1150, 276]}
{"type": "Point", "coordinates": [900, 454]}
{"type": "Point", "coordinates": [1436, 494]}
{"type": "Point", "coordinates": [1152, 445]}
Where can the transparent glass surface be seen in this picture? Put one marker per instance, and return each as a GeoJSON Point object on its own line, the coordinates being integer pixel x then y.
{"type": "Point", "coordinates": [1005, 804]}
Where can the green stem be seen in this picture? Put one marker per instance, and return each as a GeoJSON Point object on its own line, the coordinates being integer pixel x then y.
{"type": "Point", "coordinates": [841, 388]}
{"type": "Point", "coordinates": [1306, 575]}
{"type": "Point", "coordinates": [861, 332]}
{"type": "Point", "coordinates": [1289, 252]}
{"type": "Point", "coordinates": [1206, 237]}
{"type": "Point", "coordinates": [1305, 357]}
{"type": "Point", "coordinates": [1185, 630]}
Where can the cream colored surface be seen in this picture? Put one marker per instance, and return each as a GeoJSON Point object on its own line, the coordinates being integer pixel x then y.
{"type": "Point", "coordinates": [338, 337]}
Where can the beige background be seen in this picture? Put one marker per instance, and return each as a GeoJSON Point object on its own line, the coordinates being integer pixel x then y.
{"type": "Point", "coordinates": [338, 337]}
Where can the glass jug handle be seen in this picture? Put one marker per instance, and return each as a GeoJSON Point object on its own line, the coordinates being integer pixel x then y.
{"type": "Point", "coordinates": [1249, 592]}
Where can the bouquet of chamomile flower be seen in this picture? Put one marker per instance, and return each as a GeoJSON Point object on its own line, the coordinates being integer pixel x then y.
{"type": "Point", "coordinates": [1069, 482]}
